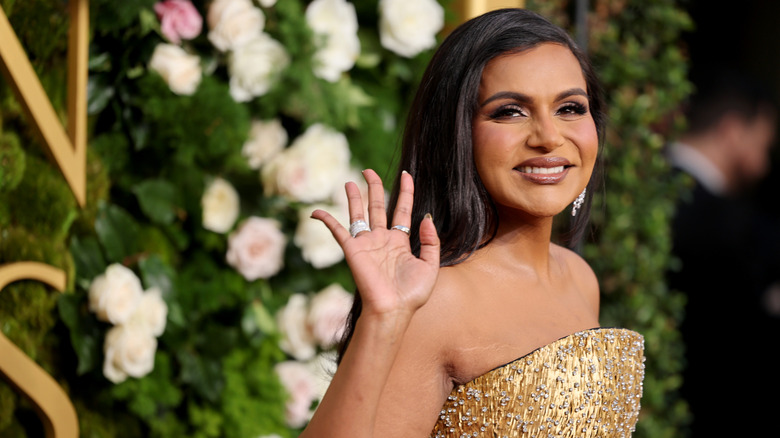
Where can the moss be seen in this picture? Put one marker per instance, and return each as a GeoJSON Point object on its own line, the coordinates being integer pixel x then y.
{"type": "Point", "coordinates": [98, 188]}
{"type": "Point", "coordinates": [12, 162]}
{"type": "Point", "coordinates": [42, 202]}
{"type": "Point", "coordinates": [22, 244]}
{"type": "Point", "coordinates": [106, 422]}
{"type": "Point", "coordinates": [7, 408]}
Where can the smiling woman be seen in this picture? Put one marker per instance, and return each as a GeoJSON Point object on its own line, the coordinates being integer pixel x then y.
{"type": "Point", "coordinates": [475, 323]}
{"type": "Point", "coordinates": [535, 141]}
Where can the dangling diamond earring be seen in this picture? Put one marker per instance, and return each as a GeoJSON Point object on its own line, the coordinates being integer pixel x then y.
{"type": "Point", "coordinates": [578, 202]}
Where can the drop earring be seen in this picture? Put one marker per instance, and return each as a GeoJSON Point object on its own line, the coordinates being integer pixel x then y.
{"type": "Point", "coordinates": [578, 202]}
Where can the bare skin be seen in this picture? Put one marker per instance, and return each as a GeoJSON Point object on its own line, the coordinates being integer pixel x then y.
{"type": "Point", "coordinates": [424, 329]}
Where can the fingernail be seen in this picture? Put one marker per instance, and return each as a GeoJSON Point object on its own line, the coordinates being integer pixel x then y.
{"type": "Point", "coordinates": [429, 216]}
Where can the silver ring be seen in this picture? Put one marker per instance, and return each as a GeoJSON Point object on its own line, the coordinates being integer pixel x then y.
{"type": "Point", "coordinates": [401, 228]}
{"type": "Point", "coordinates": [358, 227]}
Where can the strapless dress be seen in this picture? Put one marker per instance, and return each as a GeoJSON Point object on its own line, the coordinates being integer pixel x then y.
{"type": "Point", "coordinates": [585, 385]}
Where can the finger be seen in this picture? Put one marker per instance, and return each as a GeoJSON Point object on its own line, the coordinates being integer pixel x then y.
{"type": "Point", "coordinates": [402, 214]}
{"type": "Point", "coordinates": [429, 241]}
{"type": "Point", "coordinates": [354, 202]}
{"type": "Point", "coordinates": [376, 200]}
{"type": "Point", "coordinates": [339, 232]}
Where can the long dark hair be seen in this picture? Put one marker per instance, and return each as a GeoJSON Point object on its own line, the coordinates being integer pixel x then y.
{"type": "Point", "coordinates": [437, 146]}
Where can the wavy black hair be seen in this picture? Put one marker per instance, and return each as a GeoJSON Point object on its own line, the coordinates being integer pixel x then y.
{"type": "Point", "coordinates": [437, 145]}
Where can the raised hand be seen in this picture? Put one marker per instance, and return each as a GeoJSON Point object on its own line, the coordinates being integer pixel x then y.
{"type": "Point", "coordinates": [389, 277]}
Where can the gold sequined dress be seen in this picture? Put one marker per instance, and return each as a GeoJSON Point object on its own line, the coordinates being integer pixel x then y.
{"type": "Point", "coordinates": [585, 385]}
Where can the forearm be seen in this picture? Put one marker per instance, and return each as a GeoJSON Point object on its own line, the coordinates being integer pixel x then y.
{"type": "Point", "coordinates": [350, 405]}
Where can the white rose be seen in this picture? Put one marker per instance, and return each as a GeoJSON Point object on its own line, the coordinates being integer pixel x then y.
{"type": "Point", "coordinates": [409, 27]}
{"type": "Point", "coordinates": [317, 245]}
{"type": "Point", "coordinates": [179, 69]}
{"type": "Point", "coordinates": [296, 340]}
{"type": "Point", "coordinates": [128, 352]}
{"type": "Point", "coordinates": [301, 386]}
{"type": "Point", "coordinates": [256, 248]}
{"type": "Point", "coordinates": [233, 23]}
{"type": "Point", "coordinates": [267, 3]}
{"type": "Point", "coordinates": [255, 66]}
{"type": "Point", "coordinates": [328, 312]}
{"type": "Point", "coordinates": [268, 174]}
{"type": "Point", "coordinates": [311, 168]}
{"type": "Point", "coordinates": [220, 204]}
{"type": "Point", "coordinates": [323, 367]}
{"type": "Point", "coordinates": [335, 26]}
{"type": "Point", "coordinates": [151, 314]}
{"type": "Point", "coordinates": [266, 139]}
{"type": "Point", "coordinates": [115, 294]}
{"type": "Point", "coordinates": [339, 195]}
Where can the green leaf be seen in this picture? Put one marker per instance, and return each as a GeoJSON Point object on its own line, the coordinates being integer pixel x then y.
{"type": "Point", "coordinates": [256, 317]}
{"type": "Point", "coordinates": [157, 274]}
{"type": "Point", "coordinates": [88, 259]}
{"type": "Point", "coordinates": [203, 374]}
{"type": "Point", "coordinates": [99, 94]}
{"type": "Point", "coordinates": [117, 232]}
{"type": "Point", "coordinates": [85, 331]}
{"type": "Point", "coordinates": [158, 200]}
{"type": "Point", "coordinates": [148, 21]}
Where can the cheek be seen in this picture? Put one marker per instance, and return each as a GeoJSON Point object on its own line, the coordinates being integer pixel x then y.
{"type": "Point", "coordinates": [493, 145]}
{"type": "Point", "coordinates": [586, 138]}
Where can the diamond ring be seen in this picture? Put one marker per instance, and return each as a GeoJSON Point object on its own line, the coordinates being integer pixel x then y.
{"type": "Point", "coordinates": [401, 228]}
{"type": "Point", "coordinates": [358, 227]}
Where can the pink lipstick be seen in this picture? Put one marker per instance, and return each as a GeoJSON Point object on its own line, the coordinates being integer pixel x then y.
{"type": "Point", "coordinates": [544, 170]}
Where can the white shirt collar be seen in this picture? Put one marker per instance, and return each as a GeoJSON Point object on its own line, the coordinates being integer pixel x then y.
{"type": "Point", "coordinates": [699, 167]}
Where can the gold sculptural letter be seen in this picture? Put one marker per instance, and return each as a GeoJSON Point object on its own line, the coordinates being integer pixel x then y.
{"type": "Point", "coordinates": [69, 153]}
{"type": "Point", "coordinates": [472, 8]}
{"type": "Point", "coordinates": [51, 402]}
{"type": "Point", "coordinates": [69, 150]}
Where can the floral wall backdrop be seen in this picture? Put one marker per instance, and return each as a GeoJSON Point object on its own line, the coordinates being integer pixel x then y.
{"type": "Point", "coordinates": [202, 300]}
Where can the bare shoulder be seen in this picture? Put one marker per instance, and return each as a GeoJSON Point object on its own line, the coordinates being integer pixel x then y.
{"type": "Point", "coordinates": [581, 273]}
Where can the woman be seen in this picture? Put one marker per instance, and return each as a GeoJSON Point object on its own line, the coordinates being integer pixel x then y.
{"type": "Point", "coordinates": [502, 136]}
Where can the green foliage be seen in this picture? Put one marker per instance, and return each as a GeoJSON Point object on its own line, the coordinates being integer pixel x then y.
{"type": "Point", "coordinates": [253, 392]}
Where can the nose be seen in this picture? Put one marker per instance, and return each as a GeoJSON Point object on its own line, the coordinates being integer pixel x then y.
{"type": "Point", "coordinates": [545, 133]}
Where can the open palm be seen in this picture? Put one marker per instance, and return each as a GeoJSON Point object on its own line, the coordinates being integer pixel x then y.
{"type": "Point", "coordinates": [389, 277]}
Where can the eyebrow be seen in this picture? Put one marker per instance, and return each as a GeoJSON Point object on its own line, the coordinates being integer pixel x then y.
{"type": "Point", "coordinates": [520, 97]}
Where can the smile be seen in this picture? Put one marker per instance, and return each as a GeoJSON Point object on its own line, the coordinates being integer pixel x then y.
{"type": "Point", "coordinates": [544, 170]}
{"type": "Point", "coordinates": [541, 170]}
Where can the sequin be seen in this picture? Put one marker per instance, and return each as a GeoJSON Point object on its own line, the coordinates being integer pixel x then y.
{"type": "Point", "coordinates": [585, 385]}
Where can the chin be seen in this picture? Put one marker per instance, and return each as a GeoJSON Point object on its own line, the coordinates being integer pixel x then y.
{"type": "Point", "coordinates": [537, 212]}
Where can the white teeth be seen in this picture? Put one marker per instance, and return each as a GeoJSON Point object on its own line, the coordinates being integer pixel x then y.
{"type": "Point", "coordinates": [529, 169]}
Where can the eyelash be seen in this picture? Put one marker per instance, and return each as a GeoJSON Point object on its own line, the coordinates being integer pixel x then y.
{"type": "Point", "coordinates": [574, 108]}
{"type": "Point", "coordinates": [509, 111]}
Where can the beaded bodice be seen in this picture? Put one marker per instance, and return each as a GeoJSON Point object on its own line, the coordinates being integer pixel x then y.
{"type": "Point", "coordinates": [586, 385]}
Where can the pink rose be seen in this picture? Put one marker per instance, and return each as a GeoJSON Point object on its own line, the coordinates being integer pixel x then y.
{"type": "Point", "coordinates": [302, 388]}
{"type": "Point", "coordinates": [178, 20]}
{"type": "Point", "coordinates": [256, 248]}
{"type": "Point", "coordinates": [297, 340]}
{"type": "Point", "coordinates": [328, 313]}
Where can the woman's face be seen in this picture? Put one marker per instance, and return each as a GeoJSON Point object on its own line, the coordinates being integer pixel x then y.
{"type": "Point", "coordinates": [535, 141]}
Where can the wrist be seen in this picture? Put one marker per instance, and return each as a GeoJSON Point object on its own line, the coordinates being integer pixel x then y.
{"type": "Point", "coordinates": [383, 326]}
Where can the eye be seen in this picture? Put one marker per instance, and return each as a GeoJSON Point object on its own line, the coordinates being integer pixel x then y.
{"type": "Point", "coordinates": [573, 109]}
{"type": "Point", "coordinates": [507, 112]}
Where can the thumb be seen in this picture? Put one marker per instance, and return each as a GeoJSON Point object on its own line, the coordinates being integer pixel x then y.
{"type": "Point", "coordinates": [429, 241]}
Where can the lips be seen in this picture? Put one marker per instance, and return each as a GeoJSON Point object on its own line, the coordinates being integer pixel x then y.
{"type": "Point", "coordinates": [544, 170]}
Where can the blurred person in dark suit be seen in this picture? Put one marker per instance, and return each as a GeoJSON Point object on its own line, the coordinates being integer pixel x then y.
{"type": "Point", "coordinates": [728, 256]}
